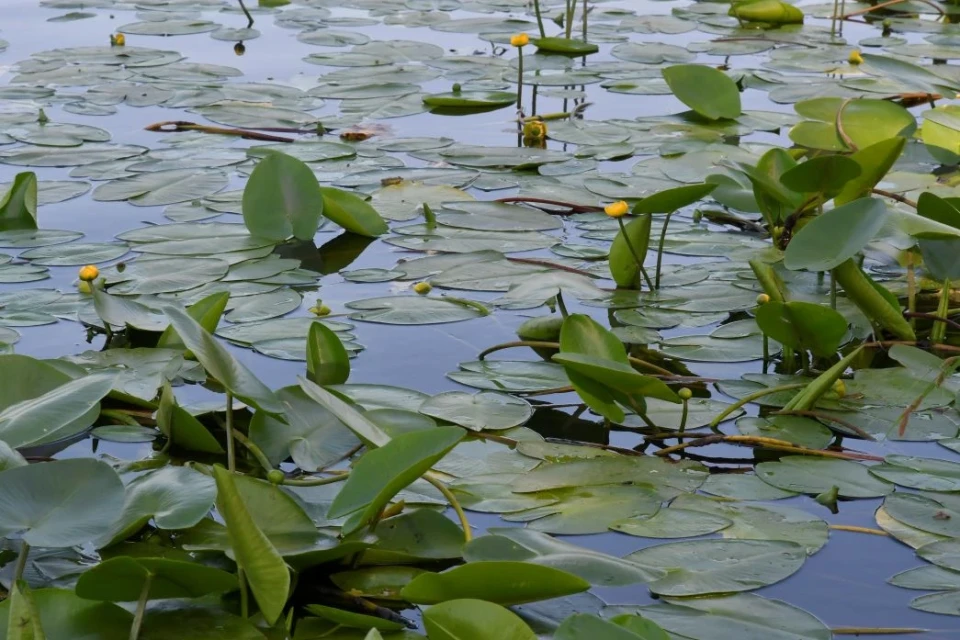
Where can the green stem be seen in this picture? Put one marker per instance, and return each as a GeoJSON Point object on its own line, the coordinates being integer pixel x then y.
{"type": "Point", "coordinates": [683, 418]}
{"type": "Point", "coordinates": [568, 21]}
{"type": "Point", "coordinates": [452, 499]}
{"type": "Point", "coordinates": [584, 21]}
{"type": "Point", "coordinates": [747, 399]}
{"type": "Point", "coordinates": [911, 289]}
{"type": "Point", "coordinates": [536, 9]}
{"type": "Point", "coordinates": [253, 449]}
{"type": "Point", "coordinates": [120, 416]}
{"type": "Point", "coordinates": [316, 482]}
{"type": "Point", "coordinates": [863, 294]}
{"type": "Point", "coordinates": [769, 280]}
{"type": "Point", "coordinates": [833, 291]}
{"type": "Point", "coordinates": [231, 452]}
{"type": "Point", "coordinates": [663, 238]}
{"type": "Point", "coordinates": [141, 607]}
{"type": "Point", "coordinates": [562, 306]}
{"type": "Point", "coordinates": [21, 561]}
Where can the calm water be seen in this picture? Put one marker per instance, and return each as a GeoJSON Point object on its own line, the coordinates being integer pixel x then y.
{"type": "Point", "coordinates": [844, 584]}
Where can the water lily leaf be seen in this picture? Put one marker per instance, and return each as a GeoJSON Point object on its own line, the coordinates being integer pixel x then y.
{"type": "Point", "coordinates": [510, 376]}
{"type": "Point", "coordinates": [470, 99]}
{"type": "Point", "coordinates": [474, 619]}
{"type": "Point", "coordinates": [63, 614]}
{"type": "Point", "coordinates": [945, 554]}
{"type": "Point", "coordinates": [947, 602]}
{"type": "Point", "coordinates": [495, 216]}
{"type": "Point", "coordinates": [927, 578]}
{"type": "Point", "coordinates": [801, 431]}
{"type": "Point", "coordinates": [803, 326]}
{"type": "Point", "coordinates": [816, 475]}
{"type": "Point", "coordinates": [352, 213]}
{"type": "Point", "coordinates": [162, 187]}
{"type": "Point", "coordinates": [448, 239]}
{"type": "Point", "coordinates": [630, 247]}
{"type": "Point", "coordinates": [535, 547]}
{"type": "Point", "coordinates": [381, 473]}
{"type": "Point", "coordinates": [540, 288]}
{"type": "Point", "coordinates": [767, 11]}
{"type": "Point", "coordinates": [354, 620]}
{"type": "Point", "coordinates": [327, 360]}
{"type": "Point", "coordinates": [743, 615]}
{"type": "Point", "coordinates": [405, 310]}
{"type": "Point", "coordinates": [926, 474]}
{"type": "Point", "coordinates": [669, 480]}
{"type": "Point", "coordinates": [742, 487]}
{"type": "Point", "coordinates": [651, 53]}
{"type": "Point", "coordinates": [494, 581]}
{"type": "Point", "coordinates": [122, 579]}
{"type": "Point", "coordinates": [709, 92]}
{"type": "Point", "coordinates": [78, 253]}
{"type": "Point", "coordinates": [265, 570]}
{"type": "Point", "coordinates": [931, 514]}
{"type": "Point", "coordinates": [58, 413]}
{"type": "Point", "coordinates": [60, 504]}
{"type": "Point", "coordinates": [69, 156]}
{"type": "Point", "coordinates": [832, 238]}
{"type": "Point", "coordinates": [18, 206]}
{"type": "Point", "coordinates": [864, 122]}
{"type": "Point", "coordinates": [220, 364]}
{"type": "Point", "coordinates": [672, 523]}
{"type": "Point", "coordinates": [242, 114]}
{"type": "Point", "coordinates": [588, 510]}
{"type": "Point", "coordinates": [197, 623]}
{"type": "Point", "coordinates": [700, 567]}
{"type": "Point", "coordinates": [168, 27]}
{"type": "Point", "coordinates": [282, 199]}
{"type": "Point", "coordinates": [173, 497]}
{"type": "Point", "coordinates": [484, 410]}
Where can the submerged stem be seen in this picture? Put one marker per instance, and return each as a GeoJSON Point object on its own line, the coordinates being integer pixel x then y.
{"type": "Point", "coordinates": [452, 499]}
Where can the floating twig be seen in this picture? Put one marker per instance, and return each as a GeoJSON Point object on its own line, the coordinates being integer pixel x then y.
{"type": "Point", "coordinates": [173, 126]}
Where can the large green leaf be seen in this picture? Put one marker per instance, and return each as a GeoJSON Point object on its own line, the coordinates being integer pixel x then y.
{"type": "Point", "coordinates": [669, 200]}
{"type": "Point", "coordinates": [354, 420]}
{"type": "Point", "coordinates": [206, 311]}
{"type": "Point", "coordinates": [583, 626]}
{"type": "Point", "coordinates": [265, 570]}
{"type": "Point", "coordinates": [816, 475]}
{"type": "Point", "coordinates": [65, 615]}
{"type": "Point", "coordinates": [581, 334]}
{"type": "Point", "coordinates": [700, 567]}
{"type": "Point", "coordinates": [864, 122]}
{"type": "Point", "coordinates": [122, 579]}
{"type": "Point", "coordinates": [706, 90]}
{"type": "Point", "coordinates": [220, 364]}
{"type": "Point", "coordinates": [54, 414]}
{"type": "Point", "coordinates": [803, 326]}
{"type": "Point", "coordinates": [839, 234]}
{"type": "Point", "coordinates": [327, 360]}
{"type": "Point", "coordinates": [282, 199]}
{"type": "Point", "coordinates": [18, 206]}
{"type": "Point", "coordinates": [60, 504]}
{"type": "Point", "coordinates": [824, 175]}
{"type": "Point", "coordinates": [381, 473]}
{"type": "Point", "coordinates": [875, 161]}
{"type": "Point", "coordinates": [502, 582]}
{"type": "Point", "coordinates": [623, 264]}
{"type": "Point", "coordinates": [479, 411]}
{"type": "Point", "coordinates": [182, 428]}
{"type": "Point", "coordinates": [474, 620]}
{"type": "Point", "coordinates": [352, 213]}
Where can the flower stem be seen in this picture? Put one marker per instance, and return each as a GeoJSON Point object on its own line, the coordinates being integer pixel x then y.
{"type": "Point", "coordinates": [536, 10]}
{"type": "Point", "coordinates": [141, 607]}
{"type": "Point", "coordinates": [747, 399]}
{"type": "Point", "coordinates": [253, 449]}
{"type": "Point", "coordinates": [663, 237]}
{"type": "Point", "coordinates": [316, 482]}
{"type": "Point", "coordinates": [562, 305]}
{"type": "Point", "coordinates": [520, 79]}
{"type": "Point", "coordinates": [683, 417]}
{"type": "Point", "coordinates": [452, 499]}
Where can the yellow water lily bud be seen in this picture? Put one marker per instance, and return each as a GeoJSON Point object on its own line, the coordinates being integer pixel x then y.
{"type": "Point", "coordinates": [319, 309]}
{"type": "Point", "coordinates": [763, 298]}
{"type": "Point", "coordinates": [239, 48]}
{"type": "Point", "coordinates": [840, 388]}
{"type": "Point", "coordinates": [855, 57]}
{"type": "Point", "coordinates": [617, 209]}
{"type": "Point", "coordinates": [423, 288]}
{"type": "Point", "coordinates": [117, 40]}
{"type": "Point", "coordinates": [275, 476]}
{"type": "Point", "coordinates": [685, 394]}
{"type": "Point", "coordinates": [535, 129]}
{"type": "Point", "coordinates": [88, 273]}
{"type": "Point", "coordinates": [520, 40]}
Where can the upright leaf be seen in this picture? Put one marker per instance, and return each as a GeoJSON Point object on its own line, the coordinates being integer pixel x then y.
{"type": "Point", "coordinates": [365, 429]}
{"type": "Point", "coordinates": [474, 620]}
{"type": "Point", "coordinates": [875, 162]}
{"type": "Point", "coordinates": [381, 473]}
{"type": "Point", "coordinates": [327, 359]}
{"type": "Point", "coordinates": [352, 213]}
{"type": "Point", "coordinates": [18, 207]}
{"type": "Point", "coordinates": [708, 91]}
{"type": "Point", "coordinates": [669, 200]}
{"type": "Point", "coordinates": [502, 582]}
{"type": "Point", "coordinates": [623, 264]}
{"type": "Point", "coordinates": [803, 326]}
{"type": "Point", "coordinates": [183, 429]}
{"type": "Point", "coordinates": [265, 570]}
{"type": "Point", "coordinates": [837, 235]}
{"type": "Point", "coordinates": [207, 311]}
{"type": "Point", "coordinates": [282, 199]}
{"type": "Point", "coordinates": [220, 364]}
{"type": "Point", "coordinates": [23, 622]}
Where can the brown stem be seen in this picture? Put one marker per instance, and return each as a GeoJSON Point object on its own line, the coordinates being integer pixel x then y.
{"type": "Point", "coordinates": [932, 316]}
{"type": "Point", "coordinates": [895, 196]}
{"type": "Point", "coordinates": [768, 443]}
{"type": "Point", "coordinates": [551, 265]}
{"type": "Point", "coordinates": [573, 208]}
{"type": "Point", "coordinates": [172, 126]}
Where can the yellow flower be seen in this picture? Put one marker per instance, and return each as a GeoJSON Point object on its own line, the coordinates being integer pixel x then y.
{"type": "Point", "coordinates": [423, 288]}
{"type": "Point", "coordinates": [89, 273]}
{"type": "Point", "coordinates": [685, 393]}
{"type": "Point", "coordinates": [840, 388]}
{"type": "Point", "coordinates": [617, 209]}
{"type": "Point", "coordinates": [855, 57]}
{"type": "Point", "coordinates": [319, 309]}
{"type": "Point", "coordinates": [117, 40]}
{"type": "Point", "coordinates": [520, 40]}
{"type": "Point", "coordinates": [239, 49]}
{"type": "Point", "coordinates": [763, 298]}
{"type": "Point", "coordinates": [535, 129]}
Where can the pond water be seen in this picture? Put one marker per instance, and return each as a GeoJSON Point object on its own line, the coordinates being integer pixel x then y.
{"type": "Point", "coordinates": [365, 66]}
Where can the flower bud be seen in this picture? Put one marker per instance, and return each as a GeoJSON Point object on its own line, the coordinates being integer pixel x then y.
{"type": "Point", "coordinates": [88, 273]}
{"type": "Point", "coordinates": [423, 288]}
{"type": "Point", "coordinates": [617, 209]}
